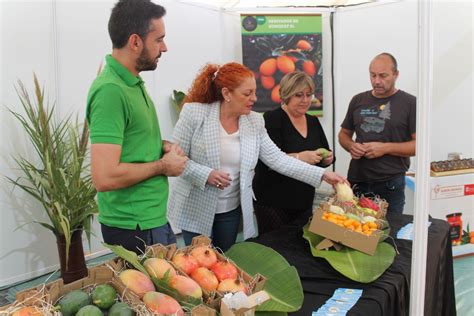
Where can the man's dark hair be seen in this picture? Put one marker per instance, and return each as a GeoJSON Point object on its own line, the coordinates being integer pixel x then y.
{"type": "Point", "coordinates": [394, 61]}
{"type": "Point", "coordinates": [132, 17]}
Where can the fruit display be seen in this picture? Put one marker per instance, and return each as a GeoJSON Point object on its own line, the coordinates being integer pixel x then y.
{"type": "Point", "coordinates": [356, 222]}
{"type": "Point", "coordinates": [211, 270]}
{"type": "Point", "coordinates": [362, 208]}
{"type": "Point", "coordinates": [166, 280]}
{"type": "Point", "coordinates": [95, 300]}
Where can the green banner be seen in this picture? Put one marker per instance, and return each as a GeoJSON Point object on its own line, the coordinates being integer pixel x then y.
{"type": "Point", "coordinates": [276, 24]}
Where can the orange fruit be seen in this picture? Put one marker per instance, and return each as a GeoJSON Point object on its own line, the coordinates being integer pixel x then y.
{"type": "Point", "coordinates": [267, 82]}
{"type": "Point", "coordinates": [27, 311]}
{"type": "Point", "coordinates": [285, 64]}
{"type": "Point", "coordinates": [303, 45]}
{"type": "Point", "coordinates": [309, 68]}
{"type": "Point", "coordinates": [268, 67]}
{"type": "Point", "coordinates": [276, 94]}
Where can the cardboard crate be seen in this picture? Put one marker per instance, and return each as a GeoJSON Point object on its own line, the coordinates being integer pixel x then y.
{"type": "Point", "coordinates": [336, 234]}
{"type": "Point", "coordinates": [213, 299]}
{"type": "Point", "coordinates": [161, 251]}
{"type": "Point", "coordinates": [118, 264]}
{"type": "Point", "coordinates": [256, 283]}
{"type": "Point", "coordinates": [104, 273]}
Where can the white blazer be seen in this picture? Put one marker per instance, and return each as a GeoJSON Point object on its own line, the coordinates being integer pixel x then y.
{"type": "Point", "coordinates": [192, 203]}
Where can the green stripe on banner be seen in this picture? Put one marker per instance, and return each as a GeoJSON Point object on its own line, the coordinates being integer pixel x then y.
{"type": "Point", "coordinates": [278, 24]}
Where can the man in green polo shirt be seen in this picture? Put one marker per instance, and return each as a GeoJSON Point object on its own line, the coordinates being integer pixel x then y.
{"type": "Point", "coordinates": [130, 162]}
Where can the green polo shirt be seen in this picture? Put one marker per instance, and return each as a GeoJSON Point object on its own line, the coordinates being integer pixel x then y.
{"type": "Point", "coordinates": [120, 111]}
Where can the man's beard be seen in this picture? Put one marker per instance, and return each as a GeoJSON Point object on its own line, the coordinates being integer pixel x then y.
{"type": "Point", "coordinates": [145, 62]}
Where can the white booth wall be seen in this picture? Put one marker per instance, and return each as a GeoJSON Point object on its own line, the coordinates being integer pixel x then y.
{"type": "Point", "coordinates": [64, 43]}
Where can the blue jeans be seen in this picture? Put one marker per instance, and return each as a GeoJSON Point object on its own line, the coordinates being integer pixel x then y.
{"type": "Point", "coordinates": [392, 190]}
{"type": "Point", "coordinates": [135, 240]}
{"type": "Point", "coordinates": [224, 230]}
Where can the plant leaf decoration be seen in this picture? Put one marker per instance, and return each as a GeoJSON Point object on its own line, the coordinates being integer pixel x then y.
{"type": "Point", "coordinates": [58, 175]}
{"type": "Point", "coordinates": [127, 255]}
{"type": "Point", "coordinates": [177, 100]}
{"type": "Point", "coordinates": [283, 283]}
{"type": "Point", "coordinates": [352, 263]}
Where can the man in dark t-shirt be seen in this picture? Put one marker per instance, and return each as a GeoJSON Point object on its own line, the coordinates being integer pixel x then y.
{"type": "Point", "coordinates": [384, 121]}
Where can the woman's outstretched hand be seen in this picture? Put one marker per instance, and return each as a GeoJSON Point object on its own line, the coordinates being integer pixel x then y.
{"type": "Point", "coordinates": [333, 178]}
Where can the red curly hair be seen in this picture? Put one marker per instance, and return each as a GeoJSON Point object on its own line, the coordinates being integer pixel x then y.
{"type": "Point", "coordinates": [208, 84]}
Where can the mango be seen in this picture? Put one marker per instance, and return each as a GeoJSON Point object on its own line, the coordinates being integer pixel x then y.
{"type": "Point", "coordinates": [185, 286]}
{"type": "Point", "coordinates": [27, 311]}
{"type": "Point", "coordinates": [160, 303]}
{"type": "Point", "coordinates": [136, 281]}
{"type": "Point", "coordinates": [157, 267]}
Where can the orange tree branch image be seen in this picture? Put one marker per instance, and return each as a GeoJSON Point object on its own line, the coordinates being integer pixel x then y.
{"type": "Point", "coordinates": [274, 45]}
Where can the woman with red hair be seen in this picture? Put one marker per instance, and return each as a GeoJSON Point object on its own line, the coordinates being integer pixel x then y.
{"type": "Point", "coordinates": [224, 139]}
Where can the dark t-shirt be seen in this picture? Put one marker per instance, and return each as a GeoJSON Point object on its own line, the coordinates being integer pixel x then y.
{"type": "Point", "coordinates": [276, 190]}
{"type": "Point", "coordinates": [391, 119]}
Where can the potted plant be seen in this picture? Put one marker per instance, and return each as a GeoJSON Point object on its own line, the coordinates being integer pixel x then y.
{"type": "Point", "coordinates": [59, 178]}
{"type": "Point", "coordinates": [177, 99]}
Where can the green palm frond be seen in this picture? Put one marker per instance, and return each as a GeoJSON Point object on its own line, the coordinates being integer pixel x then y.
{"type": "Point", "coordinates": [58, 177]}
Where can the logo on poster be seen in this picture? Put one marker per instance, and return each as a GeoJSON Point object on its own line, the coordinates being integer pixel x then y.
{"type": "Point", "coordinates": [446, 192]}
{"type": "Point", "coordinates": [469, 189]}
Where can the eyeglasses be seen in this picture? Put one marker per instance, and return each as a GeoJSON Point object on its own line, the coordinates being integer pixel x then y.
{"type": "Point", "coordinates": [302, 94]}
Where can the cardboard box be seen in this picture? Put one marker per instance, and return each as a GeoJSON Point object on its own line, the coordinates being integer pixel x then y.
{"type": "Point", "coordinates": [212, 299]}
{"type": "Point", "coordinates": [336, 234]}
{"type": "Point", "coordinates": [101, 274]}
{"type": "Point", "coordinates": [250, 305]}
{"type": "Point", "coordinates": [118, 264]}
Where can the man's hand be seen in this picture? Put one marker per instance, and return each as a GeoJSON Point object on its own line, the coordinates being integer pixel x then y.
{"type": "Point", "coordinates": [173, 163]}
{"type": "Point", "coordinates": [357, 150]}
{"type": "Point", "coordinates": [374, 150]}
{"type": "Point", "coordinates": [169, 146]}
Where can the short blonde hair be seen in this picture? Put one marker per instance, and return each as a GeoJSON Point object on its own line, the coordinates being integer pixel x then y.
{"type": "Point", "coordinates": [293, 83]}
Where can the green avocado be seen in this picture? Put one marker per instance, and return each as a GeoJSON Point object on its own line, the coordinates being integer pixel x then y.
{"type": "Point", "coordinates": [103, 296]}
{"type": "Point", "coordinates": [73, 301]}
{"type": "Point", "coordinates": [89, 310]}
{"type": "Point", "coordinates": [120, 309]}
{"type": "Point", "coordinates": [323, 152]}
